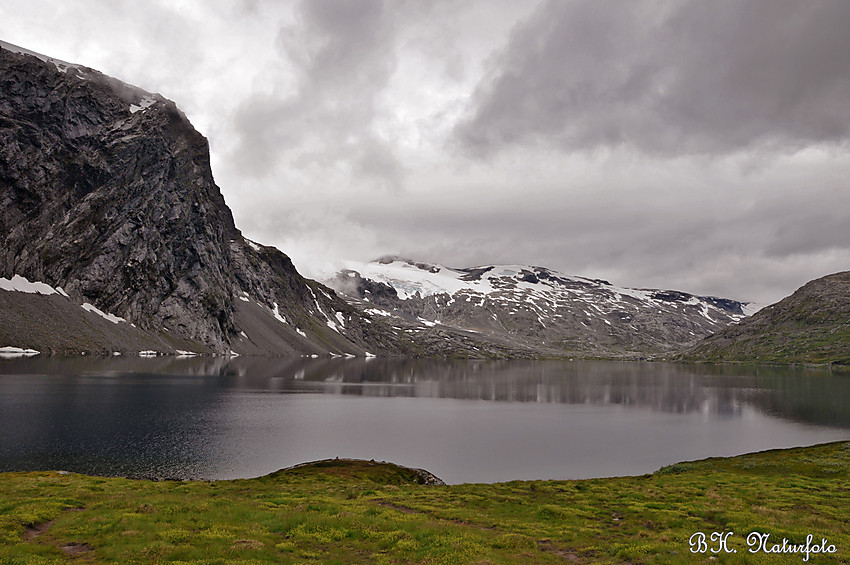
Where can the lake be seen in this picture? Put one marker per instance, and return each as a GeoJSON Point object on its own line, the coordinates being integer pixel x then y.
{"type": "Point", "coordinates": [465, 421]}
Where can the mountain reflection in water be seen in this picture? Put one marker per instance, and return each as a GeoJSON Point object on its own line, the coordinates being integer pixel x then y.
{"type": "Point", "coordinates": [221, 418]}
{"type": "Point", "coordinates": [811, 394]}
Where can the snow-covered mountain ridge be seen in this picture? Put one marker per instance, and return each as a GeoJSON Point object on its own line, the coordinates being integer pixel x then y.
{"type": "Point", "coordinates": [536, 307]}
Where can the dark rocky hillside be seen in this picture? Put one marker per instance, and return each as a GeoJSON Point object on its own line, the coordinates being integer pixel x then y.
{"type": "Point", "coordinates": [106, 191]}
{"type": "Point", "coordinates": [810, 326]}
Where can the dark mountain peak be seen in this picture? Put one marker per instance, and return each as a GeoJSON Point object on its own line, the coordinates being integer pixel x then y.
{"type": "Point", "coordinates": [474, 273]}
{"type": "Point", "coordinates": [106, 190]}
{"type": "Point", "coordinates": [390, 259]}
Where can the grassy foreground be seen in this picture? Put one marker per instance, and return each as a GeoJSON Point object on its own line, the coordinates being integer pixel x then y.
{"type": "Point", "coordinates": [363, 512]}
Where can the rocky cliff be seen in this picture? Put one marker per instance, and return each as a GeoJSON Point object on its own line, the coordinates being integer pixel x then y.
{"type": "Point", "coordinates": [810, 326]}
{"type": "Point", "coordinates": [106, 193]}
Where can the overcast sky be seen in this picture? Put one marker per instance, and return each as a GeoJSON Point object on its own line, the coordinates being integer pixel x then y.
{"type": "Point", "coordinates": [699, 146]}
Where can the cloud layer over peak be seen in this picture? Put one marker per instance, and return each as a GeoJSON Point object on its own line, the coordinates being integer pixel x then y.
{"type": "Point", "coordinates": [669, 78]}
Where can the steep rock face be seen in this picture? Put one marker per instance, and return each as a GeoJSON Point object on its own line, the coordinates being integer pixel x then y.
{"type": "Point", "coordinates": [106, 190]}
{"type": "Point", "coordinates": [537, 309]}
{"type": "Point", "coordinates": [810, 326]}
{"type": "Point", "coordinates": [118, 207]}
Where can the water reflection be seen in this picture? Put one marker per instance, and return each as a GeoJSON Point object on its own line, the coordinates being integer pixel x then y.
{"type": "Point", "coordinates": [801, 394]}
{"type": "Point", "coordinates": [464, 420]}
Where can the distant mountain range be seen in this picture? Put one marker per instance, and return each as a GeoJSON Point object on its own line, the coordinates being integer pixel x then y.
{"type": "Point", "coordinates": [535, 309]}
{"type": "Point", "coordinates": [114, 238]}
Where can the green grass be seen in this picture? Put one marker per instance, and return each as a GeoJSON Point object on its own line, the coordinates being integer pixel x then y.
{"type": "Point", "coordinates": [364, 512]}
{"type": "Point", "coordinates": [783, 345]}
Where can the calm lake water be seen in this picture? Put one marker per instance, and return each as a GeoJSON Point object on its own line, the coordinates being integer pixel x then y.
{"type": "Point", "coordinates": [473, 421]}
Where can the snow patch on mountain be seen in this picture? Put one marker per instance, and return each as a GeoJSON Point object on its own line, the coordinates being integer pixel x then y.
{"type": "Point", "coordinates": [409, 280]}
{"type": "Point", "coordinates": [377, 312]}
{"type": "Point", "coordinates": [20, 284]}
{"type": "Point", "coordinates": [145, 103]}
{"type": "Point", "coordinates": [105, 315]}
{"type": "Point", "coordinates": [10, 352]}
{"type": "Point", "coordinates": [276, 313]}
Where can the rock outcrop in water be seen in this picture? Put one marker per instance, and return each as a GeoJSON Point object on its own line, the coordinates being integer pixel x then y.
{"type": "Point", "coordinates": [106, 191]}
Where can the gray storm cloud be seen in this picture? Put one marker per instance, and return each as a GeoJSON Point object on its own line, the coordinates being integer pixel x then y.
{"type": "Point", "coordinates": [693, 145]}
{"type": "Point", "coordinates": [341, 51]}
{"type": "Point", "coordinates": [669, 78]}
